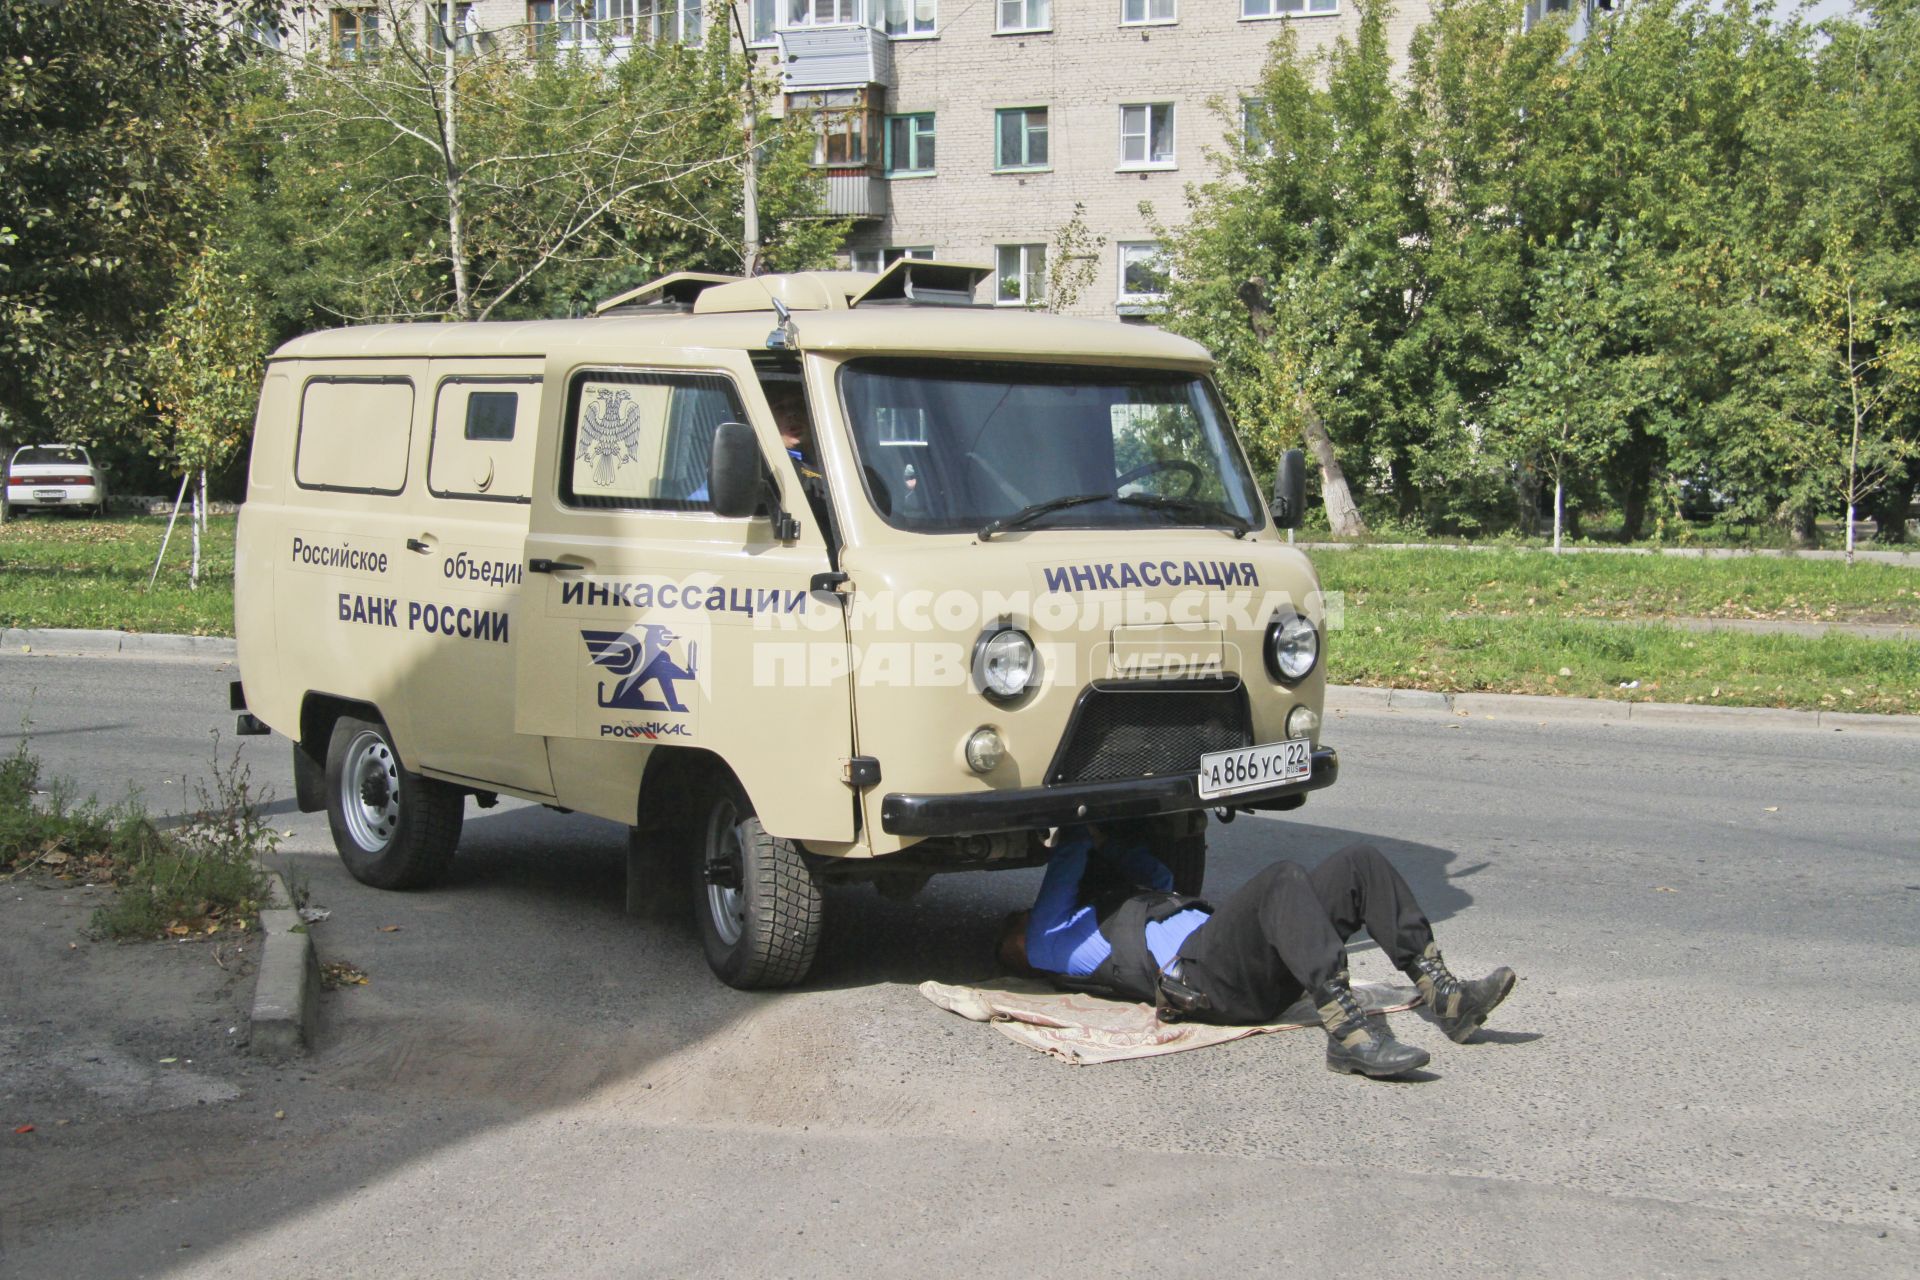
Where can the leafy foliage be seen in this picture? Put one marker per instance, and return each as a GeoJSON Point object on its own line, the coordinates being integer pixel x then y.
{"type": "Point", "coordinates": [1601, 261]}
{"type": "Point", "coordinates": [105, 114]}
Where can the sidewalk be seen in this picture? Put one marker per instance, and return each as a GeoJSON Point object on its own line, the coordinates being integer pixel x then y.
{"type": "Point", "coordinates": [1340, 698]}
{"type": "Point", "coordinates": [1906, 559]}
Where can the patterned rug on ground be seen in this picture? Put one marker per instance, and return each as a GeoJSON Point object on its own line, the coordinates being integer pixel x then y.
{"type": "Point", "coordinates": [1083, 1029]}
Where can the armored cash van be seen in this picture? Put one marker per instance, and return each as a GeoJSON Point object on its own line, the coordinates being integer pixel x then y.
{"type": "Point", "coordinates": [809, 578]}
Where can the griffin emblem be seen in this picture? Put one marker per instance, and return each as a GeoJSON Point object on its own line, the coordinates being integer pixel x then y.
{"type": "Point", "coordinates": [637, 660]}
{"type": "Point", "coordinates": [609, 434]}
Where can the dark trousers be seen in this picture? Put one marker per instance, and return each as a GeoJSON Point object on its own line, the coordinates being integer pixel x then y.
{"type": "Point", "coordinates": [1285, 932]}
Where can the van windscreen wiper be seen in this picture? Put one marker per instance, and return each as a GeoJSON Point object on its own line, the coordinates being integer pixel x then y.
{"type": "Point", "coordinates": [1240, 525]}
{"type": "Point", "coordinates": [1028, 514]}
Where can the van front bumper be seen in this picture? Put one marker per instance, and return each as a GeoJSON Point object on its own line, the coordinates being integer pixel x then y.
{"type": "Point", "coordinates": [1034, 808]}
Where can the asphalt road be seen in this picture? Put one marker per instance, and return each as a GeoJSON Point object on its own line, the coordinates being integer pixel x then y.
{"type": "Point", "coordinates": [1707, 1068]}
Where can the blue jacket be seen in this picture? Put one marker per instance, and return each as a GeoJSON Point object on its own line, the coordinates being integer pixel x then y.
{"type": "Point", "coordinates": [1064, 934]}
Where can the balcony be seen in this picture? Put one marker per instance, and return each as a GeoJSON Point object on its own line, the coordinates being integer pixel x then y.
{"type": "Point", "coordinates": [855, 193]}
{"type": "Point", "coordinates": [834, 57]}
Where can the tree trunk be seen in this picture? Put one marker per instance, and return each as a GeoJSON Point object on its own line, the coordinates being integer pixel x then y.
{"type": "Point", "coordinates": [1343, 515]}
{"type": "Point", "coordinates": [193, 570]}
{"type": "Point", "coordinates": [1559, 511]}
{"type": "Point", "coordinates": [1806, 526]}
{"type": "Point", "coordinates": [450, 154]}
{"type": "Point", "coordinates": [1889, 506]}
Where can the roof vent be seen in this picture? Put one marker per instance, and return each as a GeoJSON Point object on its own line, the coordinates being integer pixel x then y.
{"type": "Point", "coordinates": [677, 292]}
{"type": "Point", "coordinates": [920, 282]}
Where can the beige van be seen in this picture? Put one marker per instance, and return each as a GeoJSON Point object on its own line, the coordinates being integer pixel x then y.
{"type": "Point", "coordinates": [807, 579]}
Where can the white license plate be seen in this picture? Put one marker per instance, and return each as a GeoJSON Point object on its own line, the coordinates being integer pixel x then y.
{"type": "Point", "coordinates": [50, 495]}
{"type": "Point", "coordinates": [1227, 773]}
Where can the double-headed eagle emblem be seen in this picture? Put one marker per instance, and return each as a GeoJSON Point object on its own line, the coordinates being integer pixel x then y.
{"type": "Point", "coordinates": [609, 434]}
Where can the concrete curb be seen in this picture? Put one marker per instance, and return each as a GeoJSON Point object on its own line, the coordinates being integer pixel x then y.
{"type": "Point", "coordinates": [1521, 706]}
{"type": "Point", "coordinates": [90, 644]}
{"type": "Point", "coordinates": [287, 987]}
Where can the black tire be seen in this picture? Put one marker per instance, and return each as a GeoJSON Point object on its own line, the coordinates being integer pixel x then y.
{"type": "Point", "coordinates": [394, 829]}
{"type": "Point", "coordinates": [759, 904]}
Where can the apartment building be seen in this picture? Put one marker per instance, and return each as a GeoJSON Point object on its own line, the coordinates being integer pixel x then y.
{"type": "Point", "coordinates": [972, 130]}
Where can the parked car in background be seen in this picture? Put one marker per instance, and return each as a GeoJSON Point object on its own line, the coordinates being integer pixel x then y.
{"type": "Point", "coordinates": [53, 476]}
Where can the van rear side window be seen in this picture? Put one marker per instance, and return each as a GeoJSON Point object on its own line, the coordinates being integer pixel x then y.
{"type": "Point", "coordinates": [642, 441]}
{"type": "Point", "coordinates": [483, 436]}
{"type": "Point", "coordinates": [354, 434]}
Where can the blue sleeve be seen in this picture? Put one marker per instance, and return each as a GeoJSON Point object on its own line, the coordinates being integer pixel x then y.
{"type": "Point", "coordinates": [1141, 867]}
{"type": "Point", "coordinates": [1059, 899]}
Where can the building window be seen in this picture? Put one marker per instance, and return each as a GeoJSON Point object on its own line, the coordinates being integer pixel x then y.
{"type": "Point", "coordinates": [877, 260]}
{"type": "Point", "coordinates": [1286, 8]}
{"type": "Point", "coordinates": [1020, 275]}
{"type": "Point", "coordinates": [765, 13]}
{"type": "Point", "coordinates": [1020, 138]}
{"type": "Point", "coordinates": [905, 19]}
{"type": "Point", "coordinates": [582, 24]}
{"type": "Point", "coordinates": [1146, 135]}
{"type": "Point", "coordinates": [453, 23]}
{"type": "Point", "coordinates": [1142, 12]}
{"type": "Point", "coordinates": [1024, 15]}
{"type": "Point", "coordinates": [910, 145]}
{"type": "Point", "coordinates": [356, 33]}
{"type": "Point", "coordinates": [1143, 272]}
{"type": "Point", "coordinates": [843, 121]}
{"type": "Point", "coordinates": [1253, 128]}
{"type": "Point", "coordinates": [823, 13]}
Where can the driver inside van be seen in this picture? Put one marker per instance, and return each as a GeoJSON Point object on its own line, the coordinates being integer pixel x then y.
{"type": "Point", "coordinates": [788, 400]}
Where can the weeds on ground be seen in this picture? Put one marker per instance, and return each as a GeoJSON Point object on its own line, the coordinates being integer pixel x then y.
{"type": "Point", "coordinates": [203, 876]}
{"type": "Point", "coordinates": [199, 878]}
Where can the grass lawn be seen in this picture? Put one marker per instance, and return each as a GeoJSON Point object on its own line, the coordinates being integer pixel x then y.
{"type": "Point", "coordinates": [1514, 622]}
{"type": "Point", "coordinates": [58, 570]}
{"type": "Point", "coordinates": [1508, 621]}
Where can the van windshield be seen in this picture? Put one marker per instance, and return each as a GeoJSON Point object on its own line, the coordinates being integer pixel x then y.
{"type": "Point", "coordinates": [947, 446]}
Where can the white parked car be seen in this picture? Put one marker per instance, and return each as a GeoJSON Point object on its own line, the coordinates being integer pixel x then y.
{"type": "Point", "coordinates": [54, 476]}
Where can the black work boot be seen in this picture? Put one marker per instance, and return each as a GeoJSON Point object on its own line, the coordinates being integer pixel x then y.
{"type": "Point", "coordinates": [1460, 1005]}
{"type": "Point", "coordinates": [1358, 1045]}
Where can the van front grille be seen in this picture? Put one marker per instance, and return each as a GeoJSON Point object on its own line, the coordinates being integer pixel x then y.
{"type": "Point", "coordinates": [1151, 728]}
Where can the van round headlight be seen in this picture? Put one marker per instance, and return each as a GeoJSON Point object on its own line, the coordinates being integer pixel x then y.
{"type": "Point", "coordinates": [1004, 663]}
{"type": "Point", "coordinates": [1293, 646]}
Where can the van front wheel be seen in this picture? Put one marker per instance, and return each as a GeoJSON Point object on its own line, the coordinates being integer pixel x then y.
{"type": "Point", "coordinates": [760, 906]}
{"type": "Point", "coordinates": [394, 829]}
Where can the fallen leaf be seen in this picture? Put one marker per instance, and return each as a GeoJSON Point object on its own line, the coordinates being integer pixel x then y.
{"type": "Point", "coordinates": [25, 1128]}
{"type": "Point", "coordinates": [1772, 808]}
{"type": "Point", "coordinates": [55, 859]}
{"type": "Point", "coordinates": [169, 1059]}
{"type": "Point", "coordinates": [1661, 888]}
{"type": "Point", "coordinates": [279, 1115]}
{"type": "Point", "coordinates": [389, 928]}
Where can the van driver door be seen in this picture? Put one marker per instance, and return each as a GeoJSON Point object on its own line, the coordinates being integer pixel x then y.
{"type": "Point", "coordinates": [647, 621]}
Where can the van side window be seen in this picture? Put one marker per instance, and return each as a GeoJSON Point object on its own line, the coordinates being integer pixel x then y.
{"type": "Point", "coordinates": [483, 435]}
{"type": "Point", "coordinates": [490, 415]}
{"type": "Point", "coordinates": [355, 434]}
{"type": "Point", "coordinates": [643, 441]}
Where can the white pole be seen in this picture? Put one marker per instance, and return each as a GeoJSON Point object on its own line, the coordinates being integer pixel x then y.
{"type": "Point", "coordinates": [168, 536]}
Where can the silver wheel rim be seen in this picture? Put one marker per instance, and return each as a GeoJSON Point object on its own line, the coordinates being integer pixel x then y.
{"type": "Point", "coordinates": [370, 792]}
{"type": "Point", "coordinates": [726, 907]}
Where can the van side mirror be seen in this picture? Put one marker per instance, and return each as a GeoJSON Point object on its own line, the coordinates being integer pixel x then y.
{"type": "Point", "coordinates": [1289, 507]}
{"type": "Point", "coordinates": [734, 479]}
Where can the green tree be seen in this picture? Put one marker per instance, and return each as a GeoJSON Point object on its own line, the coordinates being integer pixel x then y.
{"type": "Point", "coordinates": [482, 175]}
{"type": "Point", "coordinates": [106, 109]}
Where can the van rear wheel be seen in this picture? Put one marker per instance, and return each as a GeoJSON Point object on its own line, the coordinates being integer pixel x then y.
{"type": "Point", "coordinates": [394, 829]}
{"type": "Point", "coordinates": [759, 904]}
